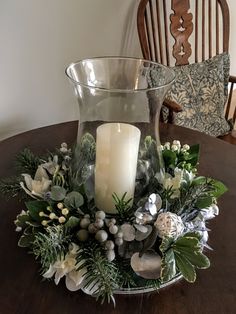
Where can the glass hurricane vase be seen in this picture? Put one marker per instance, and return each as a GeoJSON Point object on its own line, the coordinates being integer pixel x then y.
{"type": "Point", "coordinates": [119, 105]}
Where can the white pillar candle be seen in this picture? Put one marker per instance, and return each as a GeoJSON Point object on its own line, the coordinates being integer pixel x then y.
{"type": "Point", "coordinates": [117, 146]}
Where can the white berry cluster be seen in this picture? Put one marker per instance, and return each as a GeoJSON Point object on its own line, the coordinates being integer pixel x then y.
{"type": "Point", "coordinates": [175, 146]}
{"type": "Point", "coordinates": [60, 214]}
{"type": "Point", "coordinates": [103, 229]}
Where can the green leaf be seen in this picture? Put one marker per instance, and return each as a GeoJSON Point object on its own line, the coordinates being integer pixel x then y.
{"type": "Point", "coordinates": [22, 220]}
{"type": "Point", "coordinates": [72, 222]}
{"type": "Point", "coordinates": [168, 266]}
{"type": "Point", "coordinates": [187, 241]}
{"type": "Point", "coordinates": [58, 193]}
{"type": "Point", "coordinates": [197, 259]}
{"type": "Point", "coordinates": [199, 180]}
{"type": "Point", "coordinates": [193, 235]}
{"type": "Point", "coordinates": [35, 207]}
{"type": "Point", "coordinates": [26, 240]}
{"type": "Point", "coordinates": [204, 202]}
{"type": "Point", "coordinates": [28, 230]}
{"type": "Point", "coordinates": [185, 267]}
{"type": "Point", "coordinates": [193, 155]}
{"type": "Point", "coordinates": [33, 223]}
{"type": "Point", "coordinates": [188, 247]}
{"type": "Point", "coordinates": [169, 157]}
{"type": "Point", "coordinates": [166, 244]}
{"type": "Point", "coordinates": [74, 200]}
{"type": "Point", "coordinates": [220, 188]}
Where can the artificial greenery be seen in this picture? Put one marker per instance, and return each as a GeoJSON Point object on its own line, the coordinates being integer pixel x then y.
{"type": "Point", "coordinates": [72, 238]}
{"type": "Point", "coordinates": [48, 246]}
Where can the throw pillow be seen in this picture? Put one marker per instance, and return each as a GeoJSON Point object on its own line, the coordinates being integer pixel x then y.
{"type": "Point", "coordinates": [201, 89]}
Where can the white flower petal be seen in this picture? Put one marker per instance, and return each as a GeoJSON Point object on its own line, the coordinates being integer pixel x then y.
{"type": "Point", "coordinates": [74, 248]}
{"type": "Point", "coordinates": [58, 275]}
{"type": "Point", "coordinates": [45, 184]}
{"type": "Point", "coordinates": [152, 198]}
{"type": "Point", "coordinates": [37, 187]}
{"type": "Point", "coordinates": [40, 173]}
{"type": "Point", "coordinates": [77, 276]}
{"type": "Point", "coordinates": [28, 181]}
{"type": "Point", "coordinates": [91, 289]}
{"type": "Point", "coordinates": [70, 284]}
{"type": "Point", "coordinates": [27, 191]}
{"type": "Point", "coordinates": [50, 272]}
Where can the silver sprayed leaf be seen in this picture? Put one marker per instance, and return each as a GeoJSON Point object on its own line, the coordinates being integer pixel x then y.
{"type": "Point", "coordinates": [128, 232]}
{"type": "Point", "coordinates": [147, 266]}
{"type": "Point", "coordinates": [58, 193]}
{"type": "Point", "coordinates": [140, 236]}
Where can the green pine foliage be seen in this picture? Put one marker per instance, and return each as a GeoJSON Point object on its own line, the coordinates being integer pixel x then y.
{"type": "Point", "coordinates": [10, 187]}
{"type": "Point", "coordinates": [27, 162]}
{"type": "Point", "coordinates": [51, 245]}
{"type": "Point", "coordinates": [124, 210]}
{"type": "Point", "coordinates": [49, 239]}
{"type": "Point", "coordinates": [101, 274]}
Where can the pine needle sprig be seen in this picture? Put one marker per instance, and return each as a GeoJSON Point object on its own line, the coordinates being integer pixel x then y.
{"type": "Point", "coordinates": [10, 187]}
{"type": "Point", "coordinates": [124, 210]}
{"type": "Point", "coordinates": [188, 199]}
{"type": "Point", "coordinates": [126, 272]}
{"type": "Point", "coordinates": [27, 162]}
{"type": "Point", "coordinates": [47, 247]}
{"type": "Point", "coordinates": [101, 273]}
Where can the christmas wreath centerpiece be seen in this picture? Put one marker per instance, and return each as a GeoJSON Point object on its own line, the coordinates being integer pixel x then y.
{"type": "Point", "coordinates": [159, 238]}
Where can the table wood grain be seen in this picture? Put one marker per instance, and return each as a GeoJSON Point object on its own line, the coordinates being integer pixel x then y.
{"type": "Point", "coordinates": [23, 292]}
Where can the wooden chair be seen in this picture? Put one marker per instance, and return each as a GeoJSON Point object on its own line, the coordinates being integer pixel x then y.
{"type": "Point", "coordinates": [173, 33]}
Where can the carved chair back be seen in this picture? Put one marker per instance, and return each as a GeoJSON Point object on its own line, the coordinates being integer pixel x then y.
{"type": "Point", "coordinates": [173, 29]}
{"type": "Point", "coordinates": [179, 32]}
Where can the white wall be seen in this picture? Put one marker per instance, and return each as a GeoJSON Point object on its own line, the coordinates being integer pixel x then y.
{"type": "Point", "coordinates": [39, 38]}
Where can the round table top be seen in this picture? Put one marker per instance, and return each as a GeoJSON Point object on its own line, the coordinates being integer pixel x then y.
{"type": "Point", "coordinates": [23, 292]}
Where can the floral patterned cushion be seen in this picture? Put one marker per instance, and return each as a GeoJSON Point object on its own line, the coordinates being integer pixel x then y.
{"type": "Point", "coordinates": [201, 89]}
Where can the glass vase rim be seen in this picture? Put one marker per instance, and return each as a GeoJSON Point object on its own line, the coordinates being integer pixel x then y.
{"type": "Point", "coordinates": [120, 90]}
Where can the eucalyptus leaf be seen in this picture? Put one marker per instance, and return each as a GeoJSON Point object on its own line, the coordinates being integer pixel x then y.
{"type": "Point", "coordinates": [74, 200]}
{"type": "Point", "coordinates": [89, 188]}
{"type": "Point", "coordinates": [149, 242]}
{"type": "Point", "coordinates": [58, 193]}
{"type": "Point", "coordinates": [72, 222]}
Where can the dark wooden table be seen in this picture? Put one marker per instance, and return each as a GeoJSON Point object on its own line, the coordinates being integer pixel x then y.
{"type": "Point", "coordinates": [23, 292]}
